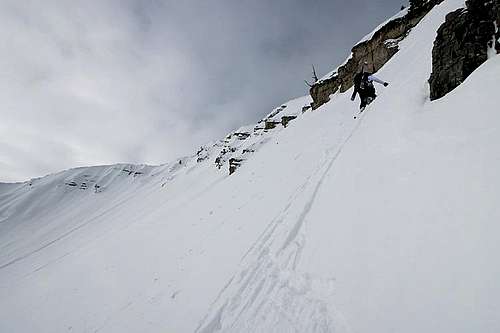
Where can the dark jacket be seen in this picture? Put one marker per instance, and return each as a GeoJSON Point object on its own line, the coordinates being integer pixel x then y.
{"type": "Point", "coordinates": [363, 84]}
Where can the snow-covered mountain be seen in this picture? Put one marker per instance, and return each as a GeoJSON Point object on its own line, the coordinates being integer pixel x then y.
{"type": "Point", "coordinates": [385, 223]}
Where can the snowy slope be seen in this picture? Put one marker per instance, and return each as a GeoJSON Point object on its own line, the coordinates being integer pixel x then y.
{"type": "Point", "coordinates": [387, 223]}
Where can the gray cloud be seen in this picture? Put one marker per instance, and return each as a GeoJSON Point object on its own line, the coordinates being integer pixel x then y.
{"type": "Point", "coordinates": [99, 82]}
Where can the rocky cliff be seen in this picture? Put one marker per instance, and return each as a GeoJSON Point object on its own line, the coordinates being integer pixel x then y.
{"type": "Point", "coordinates": [376, 51]}
{"type": "Point", "coordinates": [462, 44]}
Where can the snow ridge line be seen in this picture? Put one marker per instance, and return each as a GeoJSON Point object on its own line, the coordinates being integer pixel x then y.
{"type": "Point", "coordinates": [87, 222]}
{"type": "Point", "coordinates": [61, 237]}
{"type": "Point", "coordinates": [68, 233]}
{"type": "Point", "coordinates": [268, 294]}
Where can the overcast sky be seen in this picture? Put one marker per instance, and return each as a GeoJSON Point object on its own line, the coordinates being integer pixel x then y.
{"type": "Point", "coordinates": [146, 81]}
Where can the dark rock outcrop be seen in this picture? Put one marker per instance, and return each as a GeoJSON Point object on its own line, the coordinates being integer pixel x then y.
{"type": "Point", "coordinates": [234, 163]}
{"type": "Point", "coordinates": [286, 119]}
{"type": "Point", "coordinates": [242, 135]}
{"type": "Point", "coordinates": [270, 124]}
{"type": "Point", "coordinates": [376, 52]}
{"type": "Point", "coordinates": [462, 44]}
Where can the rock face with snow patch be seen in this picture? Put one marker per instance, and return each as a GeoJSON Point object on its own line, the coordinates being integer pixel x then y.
{"type": "Point", "coordinates": [462, 44]}
{"type": "Point", "coordinates": [239, 145]}
{"type": "Point", "coordinates": [376, 51]}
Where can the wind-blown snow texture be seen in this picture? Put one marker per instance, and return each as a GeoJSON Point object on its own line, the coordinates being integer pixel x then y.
{"type": "Point", "coordinates": [387, 223]}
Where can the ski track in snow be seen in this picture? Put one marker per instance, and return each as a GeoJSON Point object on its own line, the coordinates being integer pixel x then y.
{"type": "Point", "coordinates": [268, 279]}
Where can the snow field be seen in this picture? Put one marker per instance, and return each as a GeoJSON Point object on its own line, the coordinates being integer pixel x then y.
{"type": "Point", "coordinates": [386, 223]}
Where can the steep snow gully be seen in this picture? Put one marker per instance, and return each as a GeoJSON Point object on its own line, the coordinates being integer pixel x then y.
{"type": "Point", "coordinates": [386, 223]}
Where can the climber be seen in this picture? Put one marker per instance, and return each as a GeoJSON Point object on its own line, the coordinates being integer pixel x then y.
{"type": "Point", "coordinates": [363, 85]}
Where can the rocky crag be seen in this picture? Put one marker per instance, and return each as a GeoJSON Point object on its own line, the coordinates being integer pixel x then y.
{"type": "Point", "coordinates": [375, 51]}
{"type": "Point", "coordinates": [463, 43]}
{"type": "Point", "coordinates": [239, 145]}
